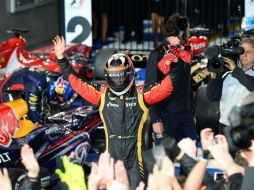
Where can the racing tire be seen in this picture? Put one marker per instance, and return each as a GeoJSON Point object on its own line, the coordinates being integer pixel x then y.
{"type": "Point", "coordinates": [147, 134]}
{"type": "Point", "coordinates": [207, 112]}
{"type": "Point", "coordinates": [101, 57]}
{"type": "Point", "coordinates": [97, 136]}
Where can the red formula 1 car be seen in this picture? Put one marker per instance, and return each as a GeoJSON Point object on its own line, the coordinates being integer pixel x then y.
{"type": "Point", "coordinates": [13, 56]}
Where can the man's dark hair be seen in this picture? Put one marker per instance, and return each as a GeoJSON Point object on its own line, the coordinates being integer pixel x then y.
{"type": "Point", "coordinates": [177, 25]}
{"type": "Point", "coordinates": [239, 159]}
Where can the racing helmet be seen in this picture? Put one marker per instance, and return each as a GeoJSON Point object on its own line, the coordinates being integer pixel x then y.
{"type": "Point", "coordinates": [59, 90]}
{"type": "Point", "coordinates": [119, 73]}
{"type": "Point", "coordinates": [248, 24]}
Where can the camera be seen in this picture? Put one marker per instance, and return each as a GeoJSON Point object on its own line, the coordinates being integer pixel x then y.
{"type": "Point", "coordinates": [167, 147]}
{"type": "Point", "coordinates": [228, 49]}
{"type": "Point", "coordinates": [240, 133]}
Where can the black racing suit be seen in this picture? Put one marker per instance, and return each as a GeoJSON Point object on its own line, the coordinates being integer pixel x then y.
{"type": "Point", "coordinates": [176, 111]}
{"type": "Point", "coordinates": [32, 81]}
{"type": "Point", "coordinates": [123, 116]}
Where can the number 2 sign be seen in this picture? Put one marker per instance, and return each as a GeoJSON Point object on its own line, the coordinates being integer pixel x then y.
{"type": "Point", "coordinates": [78, 21]}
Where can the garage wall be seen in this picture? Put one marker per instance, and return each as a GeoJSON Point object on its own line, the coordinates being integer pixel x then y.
{"type": "Point", "coordinates": [42, 23]}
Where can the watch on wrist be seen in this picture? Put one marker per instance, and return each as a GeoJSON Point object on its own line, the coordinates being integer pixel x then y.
{"type": "Point", "coordinates": [207, 155]}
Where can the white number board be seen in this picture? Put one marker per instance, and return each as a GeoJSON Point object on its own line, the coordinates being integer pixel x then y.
{"type": "Point", "coordinates": [78, 21]}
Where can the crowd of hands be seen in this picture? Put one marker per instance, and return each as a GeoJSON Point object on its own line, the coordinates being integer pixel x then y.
{"type": "Point", "coordinates": [112, 175]}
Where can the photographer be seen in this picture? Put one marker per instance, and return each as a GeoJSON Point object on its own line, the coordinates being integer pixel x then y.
{"type": "Point", "coordinates": [231, 87]}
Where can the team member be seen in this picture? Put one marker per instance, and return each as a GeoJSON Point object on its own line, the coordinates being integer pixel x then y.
{"type": "Point", "coordinates": [174, 115]}
{"type": "Point", "coordinates": [123, 106]}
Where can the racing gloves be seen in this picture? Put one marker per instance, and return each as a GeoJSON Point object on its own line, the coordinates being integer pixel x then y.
{"type": "Point", "coordinates": [172, 53]}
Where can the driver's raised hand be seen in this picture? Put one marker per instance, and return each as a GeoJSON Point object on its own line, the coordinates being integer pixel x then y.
{"type": "Point", "coordinates": [59, 46]}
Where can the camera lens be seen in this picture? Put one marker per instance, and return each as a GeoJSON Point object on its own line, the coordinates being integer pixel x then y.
{"type": "Point", "coordinates": [241, 137]}
{"type": "Point", "coordinates": [215, 65]}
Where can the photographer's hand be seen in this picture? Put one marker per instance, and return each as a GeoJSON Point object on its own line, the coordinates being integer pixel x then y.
{"type": "Point", "coordinates": [229, 63]}
{"type": "Point", "coordinates": [213, 75]}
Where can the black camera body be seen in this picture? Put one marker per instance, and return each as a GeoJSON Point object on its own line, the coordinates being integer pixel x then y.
{"type": "Point", "coordinates": [230, 49]}
{"type": "Point", "coordinates": [240, 133]}
{"type": "Point", "coordinates": [168, 147]}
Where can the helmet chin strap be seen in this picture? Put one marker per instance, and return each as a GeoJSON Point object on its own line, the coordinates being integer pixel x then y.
{"type": "Point", "coordinates": [125, 90]}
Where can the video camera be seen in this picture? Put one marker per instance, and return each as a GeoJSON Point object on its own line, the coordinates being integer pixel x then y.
{"type": "Point", "coordinates": [228, 49]}
{"type": "Point", "coordinates": [240, 133]}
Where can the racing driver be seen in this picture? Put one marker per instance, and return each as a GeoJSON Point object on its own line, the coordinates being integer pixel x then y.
{"type": "Point", "coordinates": [123, 106]}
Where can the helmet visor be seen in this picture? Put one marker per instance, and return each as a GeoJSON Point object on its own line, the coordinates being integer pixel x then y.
{"type": "Point", "coordinates": [118, 81]}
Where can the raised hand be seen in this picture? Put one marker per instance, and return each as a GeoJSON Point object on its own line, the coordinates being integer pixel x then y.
{"type": "Point", "coordinates": [206, 136]}
{"type": "Point", "coordinates": [29, 161]}
{"type": "Point", "coordinates": [221, 139]}
{"type": "Point", "coordinates": [59, 46]}
{"type": "Point", "coordinates": [141, 186]}
{"type": "Point", "coordinates": [108, 175]}
{"type": "Point", "coordinates": [106, 168]}
{"type": "Point", "coordinates": [116, 185]}
{"type": "Point", "coordinates": [162, 176]}
{"type": "Point", "coordinates": [73, 175]}
{"type": "Point", "coordinates": [94, 179]}
{"type": "Point", "coordinates": [121, 174]}
{"type": "Point", "coordinates": [188, 146]}
{"type": "Point", "coordinates": [5, 180]}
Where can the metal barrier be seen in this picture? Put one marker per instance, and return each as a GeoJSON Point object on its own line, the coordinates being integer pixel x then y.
{"type": "Point", "coordinates": [129, 24]}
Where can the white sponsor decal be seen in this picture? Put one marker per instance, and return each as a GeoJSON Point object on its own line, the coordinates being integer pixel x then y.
{"type": "Point", "coordinates": [110, 104]}
{"type": "Point", "coordinates": [131, 104]}
{"type": "Point", "coordinates": [198, 46]}
{"type": "Point", "coordinates": [4, 157]}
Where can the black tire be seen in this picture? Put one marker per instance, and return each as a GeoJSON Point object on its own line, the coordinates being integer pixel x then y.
{"type": "Point", "coordinates": [97, 136]}
{"type": "Point", "coordinates": [101, 57]}
{"type": "Point", "coordinates": [147, 134]}
{"type": "Point", "coordinates": [207, 112]}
